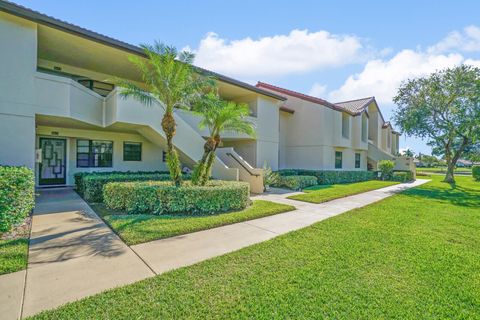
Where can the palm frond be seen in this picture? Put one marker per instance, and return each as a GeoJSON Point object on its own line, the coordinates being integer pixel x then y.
{"type": "Point", "coordinates": [129, 89]}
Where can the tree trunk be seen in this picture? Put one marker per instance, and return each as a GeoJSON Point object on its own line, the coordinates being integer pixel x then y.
{"type": "Point", "coordinates": [449, 177]}
{"type": "Point", "coordinates": [199, 170]}
{"type": "Point", "coordinates": [173, 163]}
{"type": "Point", "coordinates": [210, 160]}
{"type": "Point", "coordinates": [452, 161]}
{"type": "Point", "coordinates": [208, 168]}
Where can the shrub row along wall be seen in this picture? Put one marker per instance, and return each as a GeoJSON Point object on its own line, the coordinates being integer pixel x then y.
{"type": "Point", "coordinates": [157, 197]}
{"type": "Point", "coordinates": [90, 185]}
{"type": "Point", "coordinates": [331, 176]}
{"type": "Point", "coordinates": [402, 176]}
{"type": "Point", "coordinates": [17, 195]}
{"type": "Point", "coordinates": [296, 182]}
{"type": "Point", "coordinates": [476, 172]}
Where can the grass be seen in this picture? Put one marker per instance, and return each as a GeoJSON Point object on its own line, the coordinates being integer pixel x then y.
{"type": "Point", "coordinates": [415, 255]}
{"type": "Point", "coordinates": [322, 193]}
{"type": "Point", "coordinates": [444, 170]}
{"type": "Point", "coordinates": [13, 255]}
{"type": "Point", "coordinates": [135, 229]}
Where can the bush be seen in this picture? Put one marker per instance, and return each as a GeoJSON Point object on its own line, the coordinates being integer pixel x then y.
{"type": "Point", "coordinates": [17, 197]}
{"type": "Point", "coordinates": [270, 178]}
{"type": "Point", "coordinates": [296, 182]}
{"type": "Point", "coordinates": [331, 176]}
{"type": "Point", "coordinates": [402, 176]}
{"type": "Point", "coordinates": [157, 197]}
{"type": "Point", "coordinates": [386, 168]}
{"type": "Point", "coordinates": [90, 184]}
{"type": "Point", "coordinates": [476, 172]}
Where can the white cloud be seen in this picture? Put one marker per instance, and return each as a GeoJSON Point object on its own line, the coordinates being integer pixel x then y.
{"type": "Point", "coordinates": [381, 77]}
{"type": "Point", "coordinates": [297, 52]}
{"type": "Point", "coordinates": [318, 90]}
{"type": "Point", "coordinates": [467, 40]}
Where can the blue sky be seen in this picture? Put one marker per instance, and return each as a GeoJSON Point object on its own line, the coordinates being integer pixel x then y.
{"type": "Point", "coordinates": [336, 50]}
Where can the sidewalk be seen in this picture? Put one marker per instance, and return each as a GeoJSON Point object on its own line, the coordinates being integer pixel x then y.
{"type": "Point", "coordinates": [73, 254]}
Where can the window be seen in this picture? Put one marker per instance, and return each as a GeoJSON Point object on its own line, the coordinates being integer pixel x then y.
{"type": "Point", "coordinates": [132, 151]}
{"type": "Point", "coordinates": [102, 88]}
{"type": "Point", "coordinates": [94, 153]}
{"type": "Point", "coordinates": [364, 127]}
{"type": "Point", "coordinates": [357, 160]}
{"type": "Point", "coordinates": [345, 125]}
{"type": "Point", "coordinates": [389, 139]}
{"type": "Point", "coordinates": [338, 160]}
{"type": "Point", "coordinates": [164, 156]}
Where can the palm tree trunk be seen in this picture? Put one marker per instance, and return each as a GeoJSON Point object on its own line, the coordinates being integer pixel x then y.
{"type": "Point", "coordinates": [173, 163]}
{"type": "Point", "coordinates": [199, 172]}
{"type": "Point", "coordinates": [208, 168]}
{"type": "Point", "coordinates": [211, 159]}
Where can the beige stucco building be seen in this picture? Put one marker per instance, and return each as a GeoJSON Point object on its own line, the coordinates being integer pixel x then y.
{"type": "Point", "coordinates": [60, 113]}
{"type": "Point", "coordinates": [318, 134]}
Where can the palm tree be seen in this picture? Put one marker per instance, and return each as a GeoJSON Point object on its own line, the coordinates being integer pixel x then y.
{"type": "Point", "coordinates": [218, 116]}
{"type": "Point", "coordinates": [408, 153]}
{"type": "Point", "coordinates": [170, 81]}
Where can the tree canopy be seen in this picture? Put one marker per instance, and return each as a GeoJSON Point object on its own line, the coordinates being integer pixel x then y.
{"type": "Point", "coordinates": [444, 108]}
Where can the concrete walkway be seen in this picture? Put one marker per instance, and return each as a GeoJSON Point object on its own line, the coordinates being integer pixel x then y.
{"type": "Point", "coordinates": [73, 254]}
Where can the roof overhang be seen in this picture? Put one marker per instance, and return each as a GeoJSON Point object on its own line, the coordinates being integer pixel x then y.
{"type": "Point", "coordinates": [31, 15]}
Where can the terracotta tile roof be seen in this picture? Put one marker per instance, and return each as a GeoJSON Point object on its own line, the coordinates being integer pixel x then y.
{"type": "Point", "coordinates": [302, 96]}
{"type": "Point", "coordinates": [356, 106]}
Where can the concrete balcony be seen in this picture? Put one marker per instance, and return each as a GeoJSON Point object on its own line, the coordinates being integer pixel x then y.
{"type": "Point", "coordinates": [64, 97]}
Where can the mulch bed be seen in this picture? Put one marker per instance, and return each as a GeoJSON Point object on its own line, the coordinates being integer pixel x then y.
{"type": "Point", "coordinates": [19, 231]}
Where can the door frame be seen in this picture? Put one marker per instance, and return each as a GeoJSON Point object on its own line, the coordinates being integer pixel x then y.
{"type": "Point", "coordinates": [51, 182]}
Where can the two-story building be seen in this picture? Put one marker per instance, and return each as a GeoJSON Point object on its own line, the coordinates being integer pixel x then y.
{"type": "Point", "coordinates": [348, 135]}
{"type": "Point", "coordinates": [60, 113]}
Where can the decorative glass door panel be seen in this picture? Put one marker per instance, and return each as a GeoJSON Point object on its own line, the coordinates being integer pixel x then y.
{"type": "Point", "coordinates": [52, 168]}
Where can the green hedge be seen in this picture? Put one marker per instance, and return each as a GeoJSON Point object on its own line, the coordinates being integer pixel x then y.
{"type": "Point", "coordinates": [402, 176]}
{"type": "Point", "coordinates": [17, 195]}
{"type": "Point", "coordinates": [331, 176]}
{"type": "Point", "coordinates": [476, 172]}
{"type": "Point", "coordinates": [90, 184]}
{"type": "Point", "coordinates": [157, 197]}
{"type": "Point", "coordinates": [296, 182]}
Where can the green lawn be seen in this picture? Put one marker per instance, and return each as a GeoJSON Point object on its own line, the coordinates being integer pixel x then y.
{"type": "Point", "coordinates": [134, 229]}
{"type": "Point", "coordinates": [13, 255]}
{"type": "Point", "coordinates": [322, 193]}
{"type": "Point", "coordinates": [444, 170]}
{"type": "Point", "coordinates": [415, 255]}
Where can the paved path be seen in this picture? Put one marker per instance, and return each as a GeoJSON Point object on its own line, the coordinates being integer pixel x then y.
{"type": "Point", "coordinates": [73, 254]}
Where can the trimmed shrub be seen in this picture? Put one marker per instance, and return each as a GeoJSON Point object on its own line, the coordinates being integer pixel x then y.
{"type": "Point", "coordinates": [402, 176]}
{"type": "Point", "coordinates": [162, 197]}
{"type": "Point", "coordinates": [90, 185]}
{"type": "Point", "coordinates": [386, 168]}
{"type": "Point", "coordinates": [17, 195]}
{"type": "Point", "coordinates": [476, 172]}
{"type": "Point", "coordinates": [331, 176]}
{"type": "Point", "coordinates": [296, 182]}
